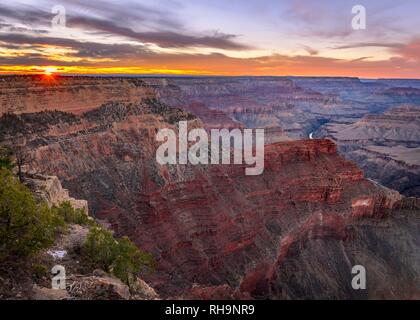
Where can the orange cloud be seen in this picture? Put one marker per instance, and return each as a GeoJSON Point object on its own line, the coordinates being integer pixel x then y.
{"type": "Point", "coordinates": [404, 65]}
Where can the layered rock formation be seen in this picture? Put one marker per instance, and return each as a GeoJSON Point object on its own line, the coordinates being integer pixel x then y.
{"type": "Point", "coordinates": [272, 102]}
{"type": "Point", "coordinates": [344, 87]}
{"type": "Point", "coordinates": [295, 105]}
{"type": "Point", "coordinates": [293, 232]}
{"type": "Point", "coordinates": [410, 83]}
{"type": "Point", "coordinates": [212, 118]}
{"type": "Point", "coordinates": [385, 146]}
{"type": "Point", "coordinates": [49, 189]}
{"type": "Point", "coordinates": [398, 95]}
{"type": "Point", "coordinates": [375, 95]}
{"type": "Point", "coordinates": [72, 94]}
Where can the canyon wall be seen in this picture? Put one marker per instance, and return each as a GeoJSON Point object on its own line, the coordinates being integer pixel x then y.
{"type": "Point", "coordinates": [269, 102]}
{"type": "Point", "coordinates": [20, 94]}
{"type": "Point", "coordinates": [293, 232]}
{"type": "Point", "coordinates": [385, 146]}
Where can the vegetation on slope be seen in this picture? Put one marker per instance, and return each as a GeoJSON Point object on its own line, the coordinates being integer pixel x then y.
{"type": "Point", "coordinates": [119, 257]}
{"type": "Point", "coordinates": [28, 227]}
{"type": "Point", "coordinates": [25, 225]}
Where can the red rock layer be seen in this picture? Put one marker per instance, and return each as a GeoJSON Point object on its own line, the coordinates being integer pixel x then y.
{"type": "Point", "coordinates": [72, 94]}
{"type": "Point", "coordinates": [212, 229]}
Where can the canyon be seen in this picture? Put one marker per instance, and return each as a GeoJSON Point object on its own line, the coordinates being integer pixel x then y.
{"type": "Point", "coordinates": [385, 146]}
{"type": "Point", "coordinates": [293, 232]}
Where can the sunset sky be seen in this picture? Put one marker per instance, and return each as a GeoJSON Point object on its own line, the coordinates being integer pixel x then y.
{"type": "Point", "coordinates": [212, 37]}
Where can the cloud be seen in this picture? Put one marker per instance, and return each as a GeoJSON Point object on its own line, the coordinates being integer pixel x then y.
{"type": "Point", "coordinates": [409, 51]}
{"type": "Point", "coordinates": [219, 64]}
{"type": "Point", "coordinates": [321, 19]}
{"type": "Point", "coordinates": [25, 41]}
{"type": "Point", "coordinates": [310, 50]}
{"type": "Point", "coordinates": [331, 20]}
{"type": "Point", "coordinates": [135, 58]}
{"type": "Point", "coordinates": [132, 13]}
{"type": "Point", "coordinates": [84, 49]}
{"type": "Point", "coordinates": [361, 59]}
{"type": "Point", "coordinates": [159, 27]}
{"type": "Point", "coordinates": [368, 45]}
{"type": "Point", "coordinates": [165, 39]}
{"type": "Point", "coordinates": [30, 50]}
{"type": "Point", "coordinates": [26, 15]}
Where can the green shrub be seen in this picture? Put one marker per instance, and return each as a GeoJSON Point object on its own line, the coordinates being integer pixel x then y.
{"type": "Point", "coordinates": [71, 215]}
{"type": "Point", "coordinates": [130, 260]}
{"type": "Point", "coordinates": [119, 257]}
{"type": "Point", "coordinates": [25, 225]}
{"type": "Point", "coordinates": [100, 247]}
{"type": "Point", "coordinates": [6, 158]}
{"type": "Point", "coordinates": [40, 270]}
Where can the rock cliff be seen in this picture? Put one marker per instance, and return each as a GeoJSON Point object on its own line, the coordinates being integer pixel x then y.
{"type": "Point", "coordinates": [49, 189]}
{"type": "Point", "coordinates": [293, 232]}
{"type": "Point", "coordinates": [20, 94]}
{"type": "Point", "coordinates": [386, 146]}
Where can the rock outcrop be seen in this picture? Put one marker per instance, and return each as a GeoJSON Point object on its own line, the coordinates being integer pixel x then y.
{"type": "Point", "coordinates": [43, 293]}
{"type": "Point", "coordinates": [49, 189]}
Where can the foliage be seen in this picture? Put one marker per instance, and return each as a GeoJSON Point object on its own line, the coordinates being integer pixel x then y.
{"type": "Point", "coordinates": [119, 257]}
{"type": "Point", "coordinates": [25, 225]}
{"type": "Point", "coordinates": [40, 270]}
{"type": "Point", "coordinates": [71, 215]}
{"type": "Point", "coordinates": [6, 158]}
{"type": "Point", "coordinates": [169, 114]}
{"type": "Point", "coordinates": [16, 156]}
{"type": "Point", "coordinates": [100, 248]}
{"type": "Point", "coordinates": [130, 260]}
{"type": "Point", "coordinates": [29, 123]}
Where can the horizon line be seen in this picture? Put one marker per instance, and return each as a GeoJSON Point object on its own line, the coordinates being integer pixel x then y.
{"type": "Point", "coordinates": [157, 75]}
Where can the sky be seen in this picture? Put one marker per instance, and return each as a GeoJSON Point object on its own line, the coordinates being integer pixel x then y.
{"type": "Point", "coordinates": [211, 37]}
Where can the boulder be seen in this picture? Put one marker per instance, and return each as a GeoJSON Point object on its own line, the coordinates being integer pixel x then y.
{"type": "Point", "coordinates": [42, 293]}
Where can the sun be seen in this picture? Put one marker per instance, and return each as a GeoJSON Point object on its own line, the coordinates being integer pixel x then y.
{"type": "Point", "coordinates": [49, 71]}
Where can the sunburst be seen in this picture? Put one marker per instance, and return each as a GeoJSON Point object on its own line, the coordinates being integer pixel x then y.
{"type": "Point", "coordinates": [49, 71]}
